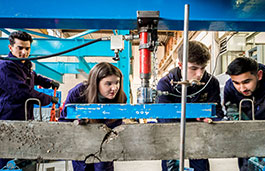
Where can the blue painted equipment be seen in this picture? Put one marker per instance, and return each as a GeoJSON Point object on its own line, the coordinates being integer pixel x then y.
{"type": "Point", "coordinates": [218, 15]}
{"type": "Point", "coordinates": [50, 93]}
{"type": "Point", "coordinates": [20, 165]}
{"type": "Point", "coordinates": [52, 45]}
{"type": "Point", "coordinates": [145, 111]}
{"type": "Point", "coordinates": [256, 164]}
{"type": "Point", "coordinates": [11, 165]}
{"type": "Point", "coordinates": [46, 110]}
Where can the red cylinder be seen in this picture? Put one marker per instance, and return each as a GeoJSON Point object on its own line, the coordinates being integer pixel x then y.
{"type": "Point", "coordinates": [145, 55]}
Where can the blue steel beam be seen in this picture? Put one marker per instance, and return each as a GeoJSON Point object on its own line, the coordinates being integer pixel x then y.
{"type": "Point", "coordinates": [139, 111]}
{"type": "Point", "coordinates": [83, 64]}
{"type": "Point", "coordinates": [42, 47]}
{"type": "Point", "coordinates": [68, 67]}
{"type": "Point", "coordinates": [38, 34]}
{"type": "Point", "coordinates": [124, 63]}
{"type": "Point", "coordinates": [48, 46]}
{"type": "Point", "coordinates": [217, 15]}
{"type": "Point", "coordinates": [48, 72]}
{"type": "Point", "coordinates": [5, 31]}
{"type": "Point", "coordinates": [82, 34]}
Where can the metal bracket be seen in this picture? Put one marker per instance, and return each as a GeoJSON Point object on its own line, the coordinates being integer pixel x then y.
{"type": "Point", "coordinates": [26, 105]}
{"type": "Point", "coordinates": [240, 110]}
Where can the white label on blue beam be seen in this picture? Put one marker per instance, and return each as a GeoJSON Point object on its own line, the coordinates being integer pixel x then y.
{"type": "Point", "coordinates": [139, 111]}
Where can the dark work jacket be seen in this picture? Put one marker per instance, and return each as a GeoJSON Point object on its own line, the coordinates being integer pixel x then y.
{"type": "Point", "coordinates": [17, 82]}
{"type": "Point", "coordinates": [232, 95]}
{"type": "Point", "coordinates": [75, 95]}
{"type": "Point", "coordinates": [211, 93]}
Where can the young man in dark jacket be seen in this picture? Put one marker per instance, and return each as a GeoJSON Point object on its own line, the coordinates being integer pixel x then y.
{"type": "Point", "coordinates": [17, 82]}
{"type": "Point", "coordinates": [247, 82]}
{"type": "Point", "coordinates": [209, 93]}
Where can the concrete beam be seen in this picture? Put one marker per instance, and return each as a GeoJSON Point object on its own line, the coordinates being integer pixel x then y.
{"type": "Point", "coordinates": [96, 142]}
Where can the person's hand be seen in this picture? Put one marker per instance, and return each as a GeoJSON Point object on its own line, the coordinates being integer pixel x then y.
{"type": "Point", "coordinates": [206, 120]}
{"type": "Point", "coordinates": [55, 100]}
{"type": "Point", "coordinates": [55, 84]}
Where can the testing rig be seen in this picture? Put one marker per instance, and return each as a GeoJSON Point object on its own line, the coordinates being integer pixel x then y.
{"type": "Point", "coordinates": [33, 140]}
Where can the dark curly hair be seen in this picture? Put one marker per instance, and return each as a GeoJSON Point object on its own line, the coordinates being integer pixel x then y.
{"type": "Point", "coordinates": [19, 35]}
{"type": "Point", "coordinates": [241, 65]}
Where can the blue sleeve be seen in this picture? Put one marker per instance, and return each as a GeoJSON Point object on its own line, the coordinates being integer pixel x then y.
{"type": "Point", "coordinates": [227, 92]}
{"type": "Point", "coordinates": [164, 85]}
{"type": "Point", "coordinates": [42, 81]}
{"type": "Point", "coordinates": [72, 97]}
{"type": "Point", "coordinates": [215, 98]}
{"type": "Point", "coordinates": [12, 82]}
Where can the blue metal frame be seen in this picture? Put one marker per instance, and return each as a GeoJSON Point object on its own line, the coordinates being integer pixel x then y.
{"type": "Point", "coordinates": [82, 34]}
{"type": "Point", "coordinates": [139, 111]}
{"type": "Point", "coordinates": [47, 71]}
{"type": "Point", "coordinates": [50, 45]}
{"type": "Point", "coordinates": [83, 64]}
{"type": "Point", "coordinates": [38, 34]}
{"type": "Point", "coordinates": [217, 15]}
{"type": "Point", "coordinates": [42, 47]}
{"type": "Point", "coordinates": [124, 64]}
{"type": "Point", "coordinates": [67, 67]}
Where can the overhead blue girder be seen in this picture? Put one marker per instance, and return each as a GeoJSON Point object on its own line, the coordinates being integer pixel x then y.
{"type": "Point", "coordinates": [5, 31]}
{"type": "Point", "coordinates": [124, 63]}
{"type": "Point", "coordinates": [48, 71]}
{"type": "Point", "coordinates": [83, 64]}
{"type": "Point", "coordinates": [67, 67]}
{"type": "Point", "coordinates": [216, 15]}
{"type": "Point", "coordinates": [38, 34]}
{"type": "Point", "coordinates": [42, 47]}
{"type": "Point", "coordinates": [79, 35]}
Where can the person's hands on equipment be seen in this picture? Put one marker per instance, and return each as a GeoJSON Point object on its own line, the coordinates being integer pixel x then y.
{"type": "Point", "coordinates": [206, 120]}
{"type": "Point", "coordinates": [55, 100]}
{"type": "Point", "coordinates": [55, 84]}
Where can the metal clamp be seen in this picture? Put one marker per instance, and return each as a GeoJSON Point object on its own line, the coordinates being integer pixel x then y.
{"type": "Point", "coordinates": [240, 106]}
{"type": "Point", "coordinates": [187, 82]}
{"type": "Point", "coordinates": [26, 104]}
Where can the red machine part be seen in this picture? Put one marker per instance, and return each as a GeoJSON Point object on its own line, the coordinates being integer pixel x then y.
{"type": "Point", "coordinates": [145, 54]}
{"type": "Point", "coordinates": [53, 113]}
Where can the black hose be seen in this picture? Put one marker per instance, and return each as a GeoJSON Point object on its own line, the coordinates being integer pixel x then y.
{"type": "Point", "coordinates": [55, 54]}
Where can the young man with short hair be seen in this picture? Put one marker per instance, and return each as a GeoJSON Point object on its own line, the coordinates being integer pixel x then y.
{"type": "Point", "coordinates": [197, 61]}
{"type": "Point", "coordinates": [17, 82]}
{"type": "Point", "coordinates": [246, 82]}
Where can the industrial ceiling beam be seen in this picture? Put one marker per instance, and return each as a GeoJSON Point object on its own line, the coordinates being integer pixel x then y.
{"type": "Point", "coordinates": [48, 72]}
{"type": "Point", "coordinates": [79, 35]}
{"type": "Point", "coordinates": [69, 67]}
{"type": "Point", "coordinates": [42, 47]}
{"type": "Point", "coordinates": [218, 15]}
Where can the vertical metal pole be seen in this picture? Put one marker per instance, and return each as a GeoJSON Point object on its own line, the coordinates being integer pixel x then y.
{"type": "Point", "coordinates": [184, 89]}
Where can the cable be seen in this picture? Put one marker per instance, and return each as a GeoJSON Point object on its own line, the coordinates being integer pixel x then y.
{"type": "Point", "coordinates": [55, 54]}
{"type": "Point", "coordinates": [193, 94]}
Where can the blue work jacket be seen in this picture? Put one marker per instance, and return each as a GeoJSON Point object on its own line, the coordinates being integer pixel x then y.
{"type": "Point", "coordinates": [76, 95]}
{"type": "Point", "coordinates": [211, 93]}
{"type": "Point", "coordinates": [17, 82]}
{"type": "Point", "coordinates": [232, 95]}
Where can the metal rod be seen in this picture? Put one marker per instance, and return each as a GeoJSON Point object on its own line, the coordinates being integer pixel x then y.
{"type": "Point", "coordinates": [26, 107]}
{"type": "Point", "coordinates": [184, 89]}
{"type": "Point", "coordinates": [252, 106]}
